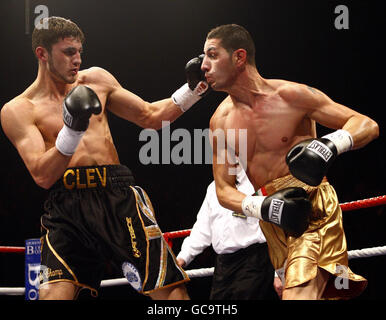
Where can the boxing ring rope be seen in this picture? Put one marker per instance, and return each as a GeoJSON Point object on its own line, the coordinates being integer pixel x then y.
{"type": "Point", "coordinates": [365, 203]}
{"type": "Point", "coordinates": [12, 249]}
{"type": "Point", "coordinates": [206, 272]}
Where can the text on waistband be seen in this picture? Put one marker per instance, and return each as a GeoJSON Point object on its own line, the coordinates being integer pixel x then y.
{"type": "Point", "coordinates": [88, 178]}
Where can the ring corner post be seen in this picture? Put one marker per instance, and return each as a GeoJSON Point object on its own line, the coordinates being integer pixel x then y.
{"type": "Point", "coordinates": [32, 269]}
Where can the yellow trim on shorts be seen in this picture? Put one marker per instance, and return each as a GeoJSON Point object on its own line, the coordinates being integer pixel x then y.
{"type": "Point", "coordinates": [94, 292]}
{"type": "Point", "coordinates": [147, 240]}
{"type": "Point", "coordinates": [164, 247]}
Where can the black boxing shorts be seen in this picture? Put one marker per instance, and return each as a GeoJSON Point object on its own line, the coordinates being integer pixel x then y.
{"type": "Point", "coordinates": [95, 216]}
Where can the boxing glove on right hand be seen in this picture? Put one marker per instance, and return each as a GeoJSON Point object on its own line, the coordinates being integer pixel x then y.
{"type": "Point", "coordinates": [288, 208]}
{"type": "Point", "coordinates": [78, 106]}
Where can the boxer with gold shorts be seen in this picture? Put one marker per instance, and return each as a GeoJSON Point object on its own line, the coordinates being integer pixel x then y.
{"type": "Point", "coordinates": [323, 245]}
{"type": "Point", "coordinates": [270, 125]}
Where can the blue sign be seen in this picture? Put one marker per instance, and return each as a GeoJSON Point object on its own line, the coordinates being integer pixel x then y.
{"type": "Point", "coordinates": [32, 269]}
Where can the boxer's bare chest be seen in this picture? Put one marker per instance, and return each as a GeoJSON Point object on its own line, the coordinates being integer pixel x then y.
{"type": "Point", "coordinates": [48, 116]}
{"type": "Point", "coordinates": [269, 125]}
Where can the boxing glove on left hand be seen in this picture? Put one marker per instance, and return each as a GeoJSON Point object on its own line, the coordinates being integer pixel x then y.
{"type": "Point", "coordinates": [310, 160]}
{"type": "Point", "coordinates": [196, 86]}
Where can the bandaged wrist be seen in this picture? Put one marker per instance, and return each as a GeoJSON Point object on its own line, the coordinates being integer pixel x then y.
{"type": "Point", "coordinates": [342, 139]}
{"type": "Point", "coordinates": [251, 206]}
{"type": "Point", "coordinates": [185, 98]}
{"type": "Point", "coordinates": [68, 140]}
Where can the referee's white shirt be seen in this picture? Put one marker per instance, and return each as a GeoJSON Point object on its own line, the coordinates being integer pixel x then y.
{"type": "Point", "coordinates": [217, 226]}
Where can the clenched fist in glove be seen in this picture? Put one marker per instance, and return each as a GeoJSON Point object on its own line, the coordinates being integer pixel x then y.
{"type": "Point", "coordinates": [310, 160]}
{"type": "Point", "coordinates": [288, 208]}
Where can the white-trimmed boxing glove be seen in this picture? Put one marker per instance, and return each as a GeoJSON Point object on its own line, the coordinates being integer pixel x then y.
{"type": "Point", "coordinates": [288, 208]}
{"type": "Point", "coordinates": [195, 88]}
{"type": "Point", "coordinates": [310, 159]}
{"type": "Point", "coordinates": [78, 106]}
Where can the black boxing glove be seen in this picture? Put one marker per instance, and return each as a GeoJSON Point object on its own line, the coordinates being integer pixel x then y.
{"type": "Point", "coordinates": [194, 74]}
{"type": "Point", "coordinates": [288, 208]}
{"type": "Point", "coordinates": [195, 88]}
{"type": "Point", "coordinates": [310, 160]}
{"type": "Point", "coordinates": [78, 106]}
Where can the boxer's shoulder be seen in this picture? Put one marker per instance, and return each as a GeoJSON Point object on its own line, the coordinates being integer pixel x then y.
{"type": "Point", "coordinates": [19, 104]}
{"type": "Point", "coordinates": [99, 79]}
{"type": "Point", "coordinates": [221, 113]}
{"type": "Point", "coordinates": [95, 75]}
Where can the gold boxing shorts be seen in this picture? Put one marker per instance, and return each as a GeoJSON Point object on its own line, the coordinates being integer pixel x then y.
{"type": "Point", "coordinates": [322, 245]}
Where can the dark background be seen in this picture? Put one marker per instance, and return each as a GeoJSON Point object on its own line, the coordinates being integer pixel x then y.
{"type": "Point", "coordinates": [145, 45]}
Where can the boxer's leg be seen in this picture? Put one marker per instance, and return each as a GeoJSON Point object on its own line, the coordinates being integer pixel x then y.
{"type": "Point", "coordinates": [62, 290]}
{"type": "Point", "coordinates": [177, 292]}
{"type": "Point", "coordinates": [311, 290]}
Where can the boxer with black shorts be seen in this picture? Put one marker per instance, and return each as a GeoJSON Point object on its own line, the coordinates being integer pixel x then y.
{"type": "Point", "coordinates": [94, 212]}
{"type": "Point", "coordinates": [97, 215]}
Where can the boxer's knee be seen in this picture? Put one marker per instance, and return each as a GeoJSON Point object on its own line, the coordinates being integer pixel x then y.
{"type": "Point", "coordinates": [177, 292]}
{"type": "Point", "coordinates": [311, 290]}
{"type": "Point", "coordinates": [58, 291]}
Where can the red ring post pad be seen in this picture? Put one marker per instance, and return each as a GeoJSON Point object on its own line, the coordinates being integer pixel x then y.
{"type": "Point", "coordinates": [32, 269]}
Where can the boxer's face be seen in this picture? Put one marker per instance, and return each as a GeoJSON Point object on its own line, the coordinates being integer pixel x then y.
{"type": "Point", "coordinates": [64, 59]}
{"type": "Point", "coordinates": [220, 70]}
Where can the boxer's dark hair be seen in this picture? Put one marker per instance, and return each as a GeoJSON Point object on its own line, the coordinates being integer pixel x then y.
{"type": "Point", "coordinates": [234, 37]}
{"type": "Point", "coordinates": [58, 28]}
